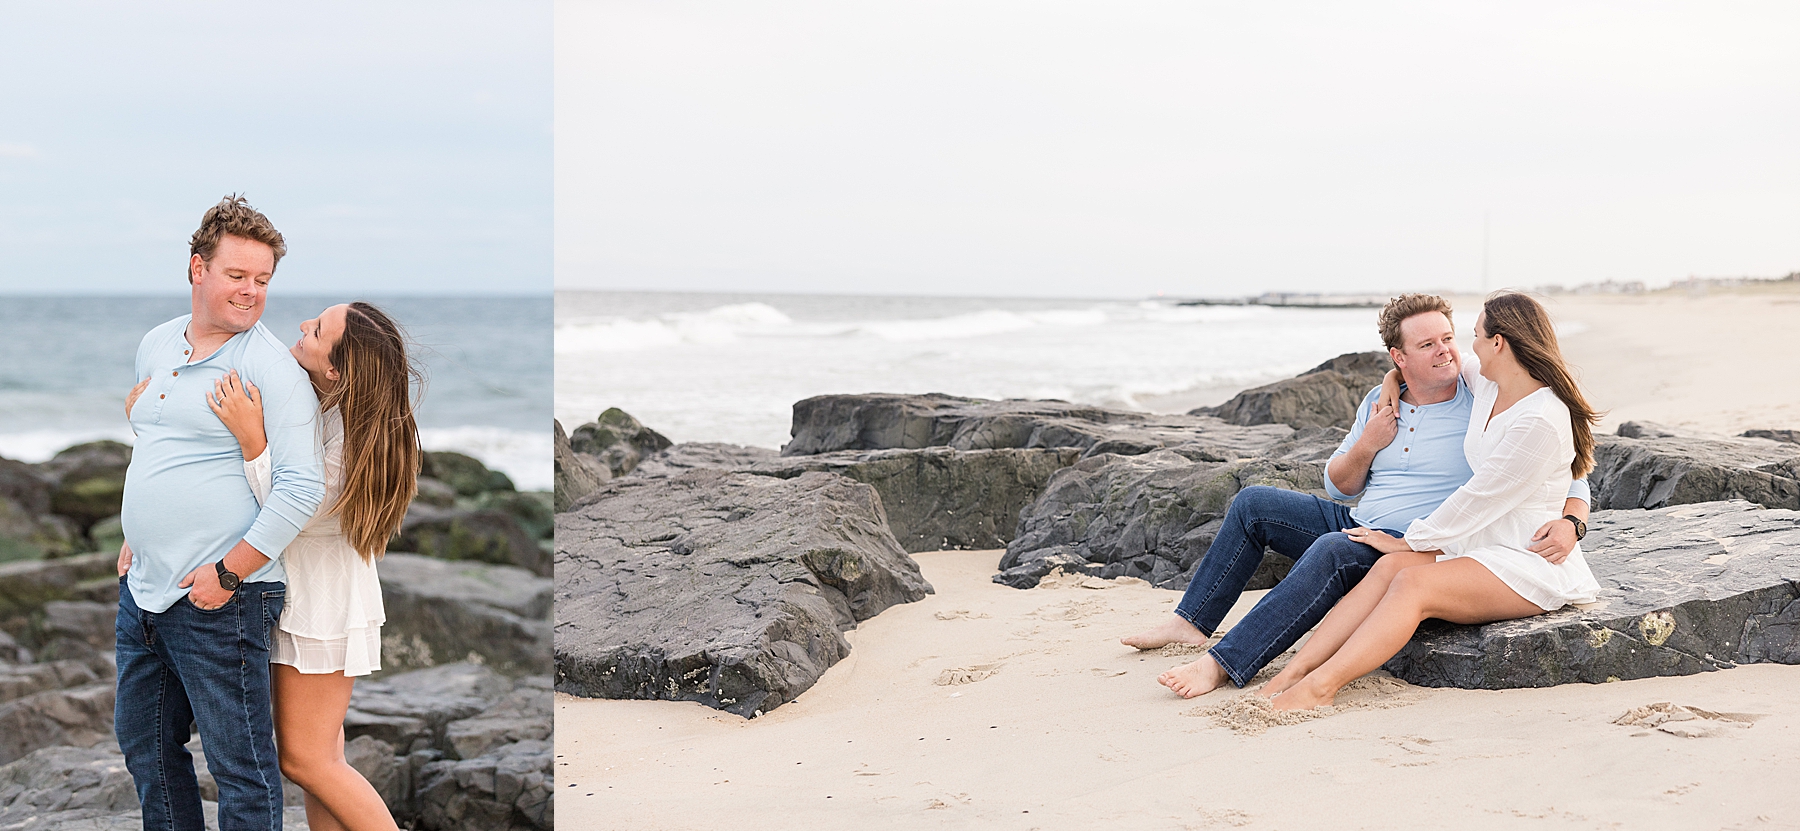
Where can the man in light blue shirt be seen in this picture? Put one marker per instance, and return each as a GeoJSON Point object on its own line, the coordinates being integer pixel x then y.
{"type": "Point", "coordinates": [1403, 462]}
{"type": "Point", "coordinates": [201, 581]}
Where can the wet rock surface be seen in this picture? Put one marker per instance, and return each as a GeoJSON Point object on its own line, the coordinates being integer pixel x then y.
{"type": "Point", "coordinates": [1153, 516]}
{"type": "Point", "coordinates": [1324, 396]}
{"type": "Point", "coordinates": [727, 588]}
{"type": "Point", "coordinates": [1685, 589]}
{"type": "Point", "coordinates": [1652, 466]}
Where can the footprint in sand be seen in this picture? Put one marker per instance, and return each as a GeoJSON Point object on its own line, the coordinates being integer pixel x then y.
{"type": "Point", "coordinates": [960, 614]}
{"type": "Point", "coordinates": [1686, 722]}
{"type": "Point", "coordinates": [966, 675]}
{"type": "Point", "coordinates": [1072, 610]}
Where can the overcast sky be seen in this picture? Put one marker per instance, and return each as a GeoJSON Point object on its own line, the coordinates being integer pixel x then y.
{"type": "Point", "coordinates": [401, 147]}
{"type": "Point", "coordinates": [1196, 148]}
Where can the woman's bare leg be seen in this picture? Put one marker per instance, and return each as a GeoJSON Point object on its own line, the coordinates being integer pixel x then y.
{"type": "Point", "coordinates": [309, 735]}
{"type": "Point", "coordinates": [1460, 591]}
{"type": "Point", "coordinates": [1343, 619]}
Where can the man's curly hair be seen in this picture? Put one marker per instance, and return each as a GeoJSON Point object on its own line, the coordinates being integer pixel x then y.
{"type": "Point", "coordinates": [1403, 307]}
{"type": "Point", "coordinates": [234, 216]}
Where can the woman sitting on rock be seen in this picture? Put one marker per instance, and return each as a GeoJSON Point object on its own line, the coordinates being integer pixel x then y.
{"type": "Point", "coordinates": [1530, 434]}
{"type": "Point", "coordinates": [330, 630]}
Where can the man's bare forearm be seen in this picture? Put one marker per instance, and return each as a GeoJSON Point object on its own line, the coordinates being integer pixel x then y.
{"type": "Point", "coordinates": [243, 560]}
{"type": "Point", "coordinates": [1350, 472]}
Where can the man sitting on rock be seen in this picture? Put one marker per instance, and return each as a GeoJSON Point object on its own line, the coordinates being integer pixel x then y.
{"type": "Point", "coordinates": [1402, 461]}
{"type": "Point", "coordinates": [192, 634]}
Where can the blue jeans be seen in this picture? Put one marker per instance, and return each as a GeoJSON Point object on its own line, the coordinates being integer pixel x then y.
{"type": "Point", "coordinates": [185, 667]}
{"type": "Point", "coordinates": [1326, 566]}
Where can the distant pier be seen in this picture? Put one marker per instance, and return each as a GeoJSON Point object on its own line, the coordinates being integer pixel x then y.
{"type": "Point", "coordinates": [1299, 300]}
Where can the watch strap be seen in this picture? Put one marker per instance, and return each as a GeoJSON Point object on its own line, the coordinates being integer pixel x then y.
{"type": "Point", "coordinates": [227, 580]}
{"type": "Point", "coordinates": [1580, 527]}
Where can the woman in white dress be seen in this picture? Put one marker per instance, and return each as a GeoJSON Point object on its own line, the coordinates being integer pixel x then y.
{"type": "Point", "coordinates": [1530, 433]}
{"type": "Point", "coordinates": [330, 630]}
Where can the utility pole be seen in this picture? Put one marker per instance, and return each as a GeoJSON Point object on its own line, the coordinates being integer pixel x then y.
{"type": "Point", "coordinates": [1484, 251]}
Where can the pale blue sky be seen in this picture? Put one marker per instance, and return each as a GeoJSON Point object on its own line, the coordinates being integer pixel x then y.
{"type": "Point", "coordinates": [1197, 147]}
{"type": "Point", "coordinates": [401, 147]}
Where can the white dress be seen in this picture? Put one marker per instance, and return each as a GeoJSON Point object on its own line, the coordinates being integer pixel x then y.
{"type": "Point", "coordinates": [333, 615]}
{"type": "Point", "coordinates": [1521, 461]}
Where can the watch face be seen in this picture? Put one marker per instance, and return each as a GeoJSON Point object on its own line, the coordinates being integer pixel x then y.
{"type": "Point", "coordinates": [228, 581]}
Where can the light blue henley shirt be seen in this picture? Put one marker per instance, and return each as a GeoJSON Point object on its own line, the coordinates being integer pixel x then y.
{"type": "Point", "coordinates": [187, 502]}
{"type": "Point", "coordinates": [1421, 467]}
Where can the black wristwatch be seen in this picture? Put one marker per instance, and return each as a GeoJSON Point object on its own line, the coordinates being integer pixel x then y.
{"type": "Point", "coordinates": [230, 582]}
{"type": "Point", "coordinates": [1580, 527]}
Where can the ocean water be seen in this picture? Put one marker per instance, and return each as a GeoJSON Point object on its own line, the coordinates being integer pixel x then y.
{"type": "Point", "coordinates": [719, 367]}
{"type": "Point", "coordinates": [66, 366]}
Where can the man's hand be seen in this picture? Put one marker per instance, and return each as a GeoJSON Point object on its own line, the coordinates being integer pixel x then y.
{"type": "Point", "coordinates": [124, 558]}
{"type": "Point", "coordinates": [1554, 541]}
{"type": "Point", "coordinates": [206, 592]}
{"type": "Point", "coordinates": [1384, 424]}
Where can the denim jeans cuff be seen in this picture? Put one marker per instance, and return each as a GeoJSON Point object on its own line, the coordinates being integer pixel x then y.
{"type": "Point", "coordinates": [1237, 678]}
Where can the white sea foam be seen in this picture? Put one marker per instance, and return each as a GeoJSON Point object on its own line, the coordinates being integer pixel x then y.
{"type": "Point", "coordinates": [722, 324]}
{"type": "Point", "coordinates": [1138, 355]}
{"type": "Point", "coordinates": [522, 456]}
{"type": "Point", "coordinates": [35, 446]}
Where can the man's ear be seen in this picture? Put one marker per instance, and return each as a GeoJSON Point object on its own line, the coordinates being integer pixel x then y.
{"type": "Point", "coordinates": [195, 265]}
{"type": "Point", "coordinates": [1398, 357]}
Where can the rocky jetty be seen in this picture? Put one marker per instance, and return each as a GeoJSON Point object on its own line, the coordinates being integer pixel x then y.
{"type": "Point", "coordinates": [727, 588]}
{"type": "Point", "coordinates": [576, 475]}
{"type": "Point", "coordinates": [1153, 516]}
{"type": "Point", "coordinates": [616, 441]}
{"type": "Point", "coordinates": [475, 754]}
{"type": "Point", "coordinates": [464, 511]}
{"type": "Point", "coordinates": [880, 421]}
{"type": "Point", "coordinates": [1686, 589]}
{"type": "Point", "coordinates": [1324, 396]}
{"type": "Point", "coordinates": [1651, 466]}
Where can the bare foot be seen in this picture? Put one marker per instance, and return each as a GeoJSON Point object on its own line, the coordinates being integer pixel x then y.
{"type": "Point", "coordinates": [1302, 697]}
{"type": "Point", "coordinates": [1198, 678]}
{"type": "Point", "coordinates": [1174, 630]}
{"type": "Point", "coordinates": [1287, 677]}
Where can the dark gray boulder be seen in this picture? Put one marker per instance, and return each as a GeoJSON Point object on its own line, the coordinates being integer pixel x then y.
{"type": "Point", "coordinates": [617, 441]}
{"type": "Point", "coordinates": [511, 788]}
{"type": "Point", "coordinates": [1324, 396]}
{"type": "Point", "coordinates": [89, 481]}
{"type": "Point", "coordinates": [463, 473]}
{"type": "Point", "coordinates": [1651, 466]}
{"type": "Point", "coordinates": [727, 588]}
{"type": "Point", "coordinates": [411, 711]}
{"type": "Point", "coordinates": [576, 475]}
{"type": "Point", "coordinates": [1788, 436]}
{"type": "Point", "coordinates": [939, 498]}
{"type": "Point", "coordinates": [404, 730]}
{"type": "Point", "coordinates": [936, 497]}
{"type": "Point", "coordinates": [26, 586]}
{"type": "Point", "coordinates": [440, 612]}
{"type": "Point", "coordinates": [56, 787]}
{"type": "Point", "coordinates": [1685, 589]}
{"type": "Point", "coordinates": [680, 458]}
{"type": "Point", "coordinates": [20, 680]}
{"type": "Point", "coordinates": [1153, 516]}
{"type": "Point", "coordinates": [80, 717]}
{"type": "Point", "coordinates": [25, 535]}
{"type": "Point", "coordinates": [882, 421]}
{"type": "Point", "coordinates": [485, 535]}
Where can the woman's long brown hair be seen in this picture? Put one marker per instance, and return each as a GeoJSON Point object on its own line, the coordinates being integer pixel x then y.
{"type": "Point", "coordinates": [381, 440]}
{"type": "Point", "coordinates": [1526, 327]}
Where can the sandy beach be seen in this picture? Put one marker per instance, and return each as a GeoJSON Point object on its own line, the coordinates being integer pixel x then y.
{"type": "Point", "coordinates": [985, 706]}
